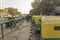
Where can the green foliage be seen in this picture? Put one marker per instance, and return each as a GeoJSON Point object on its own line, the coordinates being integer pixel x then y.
{"type": "Point", "coordinates": [34, 12]}
{"type": "Point", "coordinates": [13, 11]}
{"type": "Point", "coordinates": [43, 7]}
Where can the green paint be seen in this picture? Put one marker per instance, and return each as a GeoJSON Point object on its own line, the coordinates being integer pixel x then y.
{"type": "Point", "coordinates": [38, 25]}
{"type": "Point", "coordinates": [51, 39]}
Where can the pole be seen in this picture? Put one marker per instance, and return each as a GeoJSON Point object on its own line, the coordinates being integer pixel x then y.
{"type": "Point", "coordinates": [2, 31]}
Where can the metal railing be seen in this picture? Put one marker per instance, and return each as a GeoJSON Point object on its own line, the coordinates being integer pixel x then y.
{"type": "Point", "coordinates": [13, 26]}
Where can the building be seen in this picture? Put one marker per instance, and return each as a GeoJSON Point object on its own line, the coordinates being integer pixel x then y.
{"type": "Point", "coordinates": [3, 12]}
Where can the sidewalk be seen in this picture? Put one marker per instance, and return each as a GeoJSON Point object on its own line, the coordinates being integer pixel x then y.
{"type": "Point", "coordinates": [22, 33]}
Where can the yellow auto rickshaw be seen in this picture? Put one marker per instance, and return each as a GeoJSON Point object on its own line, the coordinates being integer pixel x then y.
{"type": "Point", "coordinates": [36, 21]}
{"type": "Point", "coordinates": [9, 21]}
{"type": "Point", "coordinates": [50, 29]}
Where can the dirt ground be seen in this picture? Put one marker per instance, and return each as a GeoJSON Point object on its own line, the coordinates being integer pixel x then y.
{"type": "Point", "coordinates": [22, 33]}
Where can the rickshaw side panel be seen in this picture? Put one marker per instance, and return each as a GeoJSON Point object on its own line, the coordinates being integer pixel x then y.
{"type": "Point", "coordinates": [50, 28]}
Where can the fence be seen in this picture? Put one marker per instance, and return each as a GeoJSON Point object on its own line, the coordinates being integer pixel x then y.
{"type": "Point", "coordinates": [14, 25]}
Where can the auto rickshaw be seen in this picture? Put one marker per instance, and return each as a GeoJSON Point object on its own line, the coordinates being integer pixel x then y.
{"type": "Point", "coordinates": [50, 29]}
{"type": "Point", "coordinates": [36, 21]}
{"type": "Point", "coordinates": [9, 21]}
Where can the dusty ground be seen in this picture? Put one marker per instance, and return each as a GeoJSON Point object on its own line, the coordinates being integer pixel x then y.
{"type": "Point", "coordinates": [22, 33]}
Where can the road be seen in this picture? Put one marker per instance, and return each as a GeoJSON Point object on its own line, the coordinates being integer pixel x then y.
{"type": "Point", "coordinates": [22, 33]}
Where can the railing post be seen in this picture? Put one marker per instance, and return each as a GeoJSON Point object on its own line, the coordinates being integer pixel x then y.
{"type": "Point", "coordinates": [2, 31]}
{"type": "Point", "coordinates": [11, 27]}
{"type": "Point", "coordinates": [15, 25]}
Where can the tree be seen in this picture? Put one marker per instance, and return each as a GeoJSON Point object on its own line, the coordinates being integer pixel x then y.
{"type": "Point", "coordinates": [34, 12]}
{"type": "Point", "coordinates": [36, 3]}
{"type": "Point", "coordinates": [13, 11]}
{"type": "Point", "coordinates": [44, 6]}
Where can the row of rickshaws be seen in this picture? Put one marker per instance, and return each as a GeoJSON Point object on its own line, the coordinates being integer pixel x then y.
{"type": "Point", "coordinates": [9, 20]}
{"type": "Point", "coordinates": [47, 26]}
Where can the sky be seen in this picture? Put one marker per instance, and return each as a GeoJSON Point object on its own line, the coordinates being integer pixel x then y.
{"type": "Point", "coordinates": [23, 6]}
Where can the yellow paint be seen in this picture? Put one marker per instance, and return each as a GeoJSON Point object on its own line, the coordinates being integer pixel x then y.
{"type": "Point", "coordinates": [32, 17]}
{"type": "Point", "coordinates": [3, 11]}
{"type": "Point", "coordinates": [48, 24]}
{"type": "Point", "coordinates": [8, 16]}
{"type": "Point", "coordinates": [37, 28]}
{"type": "Point", "coordinates": [37, 19]}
